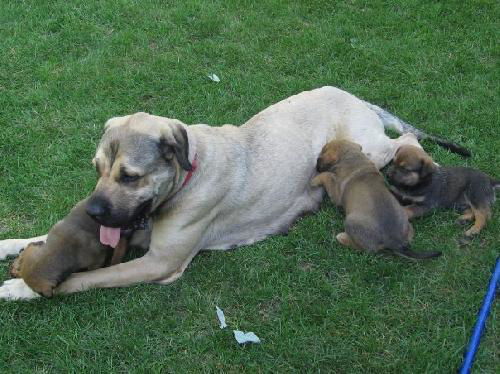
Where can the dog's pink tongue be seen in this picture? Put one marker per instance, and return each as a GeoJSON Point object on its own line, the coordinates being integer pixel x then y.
{"type": "Point", "coordinates": [109, 236]}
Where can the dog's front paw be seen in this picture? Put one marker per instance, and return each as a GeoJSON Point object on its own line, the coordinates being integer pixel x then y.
{"type": "Point", "coordinates": [316, 181]}
{"type": "Point", "coordinates": [16, 289]}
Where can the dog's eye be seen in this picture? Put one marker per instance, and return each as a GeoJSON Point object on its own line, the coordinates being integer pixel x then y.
{"type": "Point", "coordinates": [127, 178]}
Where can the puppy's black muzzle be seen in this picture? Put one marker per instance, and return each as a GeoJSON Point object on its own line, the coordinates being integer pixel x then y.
{"type": "Point", "coordinates": [101, 211]}
{"type": "Point", "coordinates": [98, 208]}
{"type": "Point", "coordinates": [321, 165]}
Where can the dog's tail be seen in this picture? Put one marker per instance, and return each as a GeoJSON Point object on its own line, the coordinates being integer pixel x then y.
{"type": "Point", "coordinates": [495, 183]}
{"type": "Point", "coordinates": [406, 252]}
{"type": "Point", "coordinates": [392, 122]}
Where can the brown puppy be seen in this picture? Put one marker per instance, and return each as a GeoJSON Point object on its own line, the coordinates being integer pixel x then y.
{"type": "Point", "coordinates": [374, 218]}
{"type": "Point", "coordinates": [415, 178]}
{"type": "Point", "coordinates": [72, 245]}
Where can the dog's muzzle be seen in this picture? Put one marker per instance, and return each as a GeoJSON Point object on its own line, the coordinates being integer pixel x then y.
{"type": "Point", "coordinates": [101, 211]}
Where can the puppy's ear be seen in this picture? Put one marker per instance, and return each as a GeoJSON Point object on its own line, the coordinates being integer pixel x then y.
{"type": "Point", "coordinates": [176, 143]}
{"type": "Point", "coordinates": [427, 167]}
{"type": "Point", "coordinates": [334, 155]}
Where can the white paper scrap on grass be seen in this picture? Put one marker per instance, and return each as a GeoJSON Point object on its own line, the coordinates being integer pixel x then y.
{"type": "Point", "coordinates": [214, 77]}
{"type": "Point", "coordinates": [221, 317]}
{"type": "Point", "coordinates": [243, 338]}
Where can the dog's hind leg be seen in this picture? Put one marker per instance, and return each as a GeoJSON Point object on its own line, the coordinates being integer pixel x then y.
{"type": "Point", "coordinates": [360, 234]}
{"type": "Point", "coordinates": [481, 216]}
{"type": "Point", "coordinates": [467, 216]}
{"type": "Point", "coordinates": [344, 239]}
{"type": "Point", "coordinates": [12, 247]}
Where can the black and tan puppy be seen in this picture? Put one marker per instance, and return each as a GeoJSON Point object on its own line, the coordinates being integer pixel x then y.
{"type": "Point", "coordinates": [374, 218]}
{"type": "Point", "coordinates": [72, 245]}
{"type": "Point", "coordinates": [416, 179]}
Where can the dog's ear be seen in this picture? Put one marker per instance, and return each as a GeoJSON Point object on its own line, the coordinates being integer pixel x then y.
{"type": "Point", "coordinates": [396, 154]}
{"type": "Point", "coordinates": [176, 144]}
{"type": "Point", "coordinates": [427, 167]}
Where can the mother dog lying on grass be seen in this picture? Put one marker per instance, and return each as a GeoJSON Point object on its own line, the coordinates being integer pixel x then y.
{"type": "Point", "coordinates": [216, 187]}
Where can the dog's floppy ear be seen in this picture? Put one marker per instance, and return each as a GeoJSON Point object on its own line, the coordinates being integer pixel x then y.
{"type": "Point", "coordinates": [427, 167]}
{"type": "Point", "coordinates": [396, 154]}
{"type": "Point", "coordinates": [176, 144]}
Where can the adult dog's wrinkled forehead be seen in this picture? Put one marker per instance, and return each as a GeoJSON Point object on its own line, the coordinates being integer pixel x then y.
{"type": "Point", "coordinates": [137, 140]}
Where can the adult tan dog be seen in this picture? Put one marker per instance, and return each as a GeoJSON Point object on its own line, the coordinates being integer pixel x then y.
{"type": "Point", "coordinates": [249, 181]}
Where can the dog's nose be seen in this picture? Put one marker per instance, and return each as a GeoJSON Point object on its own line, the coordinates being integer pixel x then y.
{"type": "Point", "coordinates": [97, 208]}
{"type": "Point", "coordinates": [319, 163]}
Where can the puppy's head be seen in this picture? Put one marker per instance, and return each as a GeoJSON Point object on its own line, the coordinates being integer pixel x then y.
{"type": "Point", "coordinates": [140, 162]}
{"type": "Point", "coordinates": [15, 267]}
{"type": "Point", "coordinates": [27, 266]}
{"type": "Point", "coordinates": [410, 166]}
{"type": "Point", "coordinates": [333, 152]}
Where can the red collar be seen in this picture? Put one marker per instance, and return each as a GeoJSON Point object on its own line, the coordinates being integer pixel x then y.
{"type": "Point", "coordinates": [194, 165]}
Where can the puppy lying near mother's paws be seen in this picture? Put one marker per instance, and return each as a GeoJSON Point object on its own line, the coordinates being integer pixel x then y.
{"type": "Point", "coordinates": [416, 179]}
{"type": "Point", "coordinates": [374, 218]}
{"type": "Point", "coordinates": [73, 244]}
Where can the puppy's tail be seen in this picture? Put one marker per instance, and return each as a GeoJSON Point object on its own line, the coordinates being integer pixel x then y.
{"type": "Point", "coordinates": [495, 183]}
{"type": "Point", "coordinates": [406, 252]}
{"type": "Point", "coordinates": [392, 122]}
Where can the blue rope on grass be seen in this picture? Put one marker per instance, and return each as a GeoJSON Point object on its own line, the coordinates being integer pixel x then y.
{"type": "Point", "coordinates": [481, 320]}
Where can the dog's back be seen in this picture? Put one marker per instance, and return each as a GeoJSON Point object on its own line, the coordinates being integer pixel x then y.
{"type": "Point", "coordinates": [452, 187]}
{"type": "Point", "coordinates": [371, 208]}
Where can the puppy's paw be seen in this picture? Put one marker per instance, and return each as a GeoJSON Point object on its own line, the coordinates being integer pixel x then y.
{"type": "Point", "coordinates": [473, 231]}
{"type": "Point", "coordinates": [16, 289]}
{"type": "Point", "coordinates": [316, 181]}
{"type": "Point", "coordinates": [344, 239]}
{"type": "Point", "coordinates": [10, 247]}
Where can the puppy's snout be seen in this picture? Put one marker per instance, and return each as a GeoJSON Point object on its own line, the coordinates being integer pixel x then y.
{"type": "Point", "coordinates": [319, 165]}
{"type": "Point", "coordinates": [98, 208]}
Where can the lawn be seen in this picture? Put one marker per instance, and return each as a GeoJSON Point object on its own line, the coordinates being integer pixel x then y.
{"type": "Point", "coordinates": [66, 67]}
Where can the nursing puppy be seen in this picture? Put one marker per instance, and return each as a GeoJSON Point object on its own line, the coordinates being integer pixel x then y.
{"type": "Point", "coordinates": [416, 179]}
{"type": "Point", "coordinates": [374, 218]}
{"type": "Point", "coordinates": [72, 245]}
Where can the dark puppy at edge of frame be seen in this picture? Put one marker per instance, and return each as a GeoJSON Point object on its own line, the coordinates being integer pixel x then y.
{"type": "Point", "coordinates": [72, 245]}
{"type": "Point", "coordinates": [374, 218]}
{"type": "Point", "coordinates": [417, 180]}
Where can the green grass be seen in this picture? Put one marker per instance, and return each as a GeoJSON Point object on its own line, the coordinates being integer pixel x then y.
{"type": "Point", "coordinates": [66, 67]}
